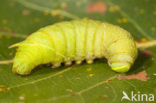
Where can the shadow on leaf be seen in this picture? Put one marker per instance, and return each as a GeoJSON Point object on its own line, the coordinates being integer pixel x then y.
{"type": "Point", "coordinates": [141, 63]}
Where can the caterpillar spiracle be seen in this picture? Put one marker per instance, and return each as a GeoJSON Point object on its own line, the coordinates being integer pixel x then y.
{"type": "Point", "coordinates": [76, 40]}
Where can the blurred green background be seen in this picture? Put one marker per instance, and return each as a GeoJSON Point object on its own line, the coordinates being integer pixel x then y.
{"type": "Point", "coordinates": [95, 83]}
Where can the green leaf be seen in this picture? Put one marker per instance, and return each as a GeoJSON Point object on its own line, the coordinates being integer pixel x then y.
{"type": "Point", "coordinates": [95, 83]}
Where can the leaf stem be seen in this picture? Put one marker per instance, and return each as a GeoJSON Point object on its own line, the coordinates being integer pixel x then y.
{"type": "Point", "coordinates": [6, 61]}
{"type": "Point", "coordinates": [146, 44]}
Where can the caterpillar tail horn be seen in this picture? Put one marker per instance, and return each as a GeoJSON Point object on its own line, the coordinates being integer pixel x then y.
{"type": "Point", "coordinates": [14, 45]}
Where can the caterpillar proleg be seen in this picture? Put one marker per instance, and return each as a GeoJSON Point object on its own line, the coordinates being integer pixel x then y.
{"type": "Point", "coordinates": [76, 40]}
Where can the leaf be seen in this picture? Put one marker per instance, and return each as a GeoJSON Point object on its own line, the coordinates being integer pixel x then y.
{"type": "Point", "coordinates": [95, 83]}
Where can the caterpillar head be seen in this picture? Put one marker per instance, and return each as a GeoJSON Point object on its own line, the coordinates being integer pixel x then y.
{"type": "Point", "coordinates": [121, 67]}
{"type": "Point", "coordinates": [121, 63]}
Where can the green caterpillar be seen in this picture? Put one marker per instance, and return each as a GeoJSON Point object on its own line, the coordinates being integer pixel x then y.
{"type": "Point", "coordinates": [76, 40]}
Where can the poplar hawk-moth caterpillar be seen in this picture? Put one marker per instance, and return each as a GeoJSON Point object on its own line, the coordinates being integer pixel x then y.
{"type": "Point", "coordinates": [76, 40]}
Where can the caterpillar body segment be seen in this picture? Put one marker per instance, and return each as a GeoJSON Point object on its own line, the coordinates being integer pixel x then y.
{"type": "Point", "coordinates": [76, 40]}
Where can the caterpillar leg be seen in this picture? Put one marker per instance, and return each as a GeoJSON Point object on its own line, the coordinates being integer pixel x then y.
{"type": "Point", "coordinates": [78, 62]}
{"type": "Point", "coordinates": [56, 65]}
{"type": "Point", "coordinates": [89, 61]}
{"type": "Point", "coordinates": [68, 63]}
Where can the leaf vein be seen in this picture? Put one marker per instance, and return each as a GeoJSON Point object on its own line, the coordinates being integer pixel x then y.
{"type": "Point", "coordinates": [133, 22]}
{"type": "Point", "coordinates": [34, 6]}
{"type": "Point", "coordinates": [41, 79]}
